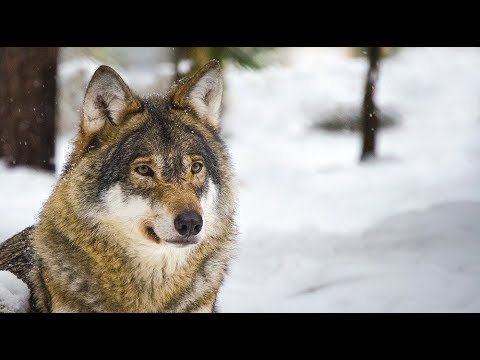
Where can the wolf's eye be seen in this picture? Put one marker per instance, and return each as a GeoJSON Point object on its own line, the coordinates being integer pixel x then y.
{"type": "Point", "coordinates": [144, 170]}
{"type": "Point", "coordinates": [197, 166]}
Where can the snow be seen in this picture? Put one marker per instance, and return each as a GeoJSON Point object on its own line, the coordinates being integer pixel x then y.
{"type": "Point", "coordinates": [14, 294]}
{"type": "Point", "coordinates": [22, 193]}
{"type": "Point", "coordinates": [422, 261]}
{"type": "Point", "coordinates": [320, 232]}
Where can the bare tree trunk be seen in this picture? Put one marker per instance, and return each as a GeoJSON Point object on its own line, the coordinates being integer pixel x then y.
{"type": "Point", "coordinates": [176, 58]}
{"type": "Point", "coordinates": [2, 98]}
{"type": "Point", "coordinates": [27, 106]}
{"type": "Point", "coordinates": [198, 56]}
{"type": "Point", "coordinates": [179, 54]}
{"type": "Point", "coordinates": [369, 110]}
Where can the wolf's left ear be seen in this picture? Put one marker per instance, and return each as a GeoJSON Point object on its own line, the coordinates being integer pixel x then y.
{"type": "Point", "coordinates": [202, 93]}
{"type": "Point", "coordinates": [107, 100]}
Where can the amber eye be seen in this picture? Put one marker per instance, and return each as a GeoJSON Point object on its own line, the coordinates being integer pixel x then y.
{"type": "Point", "coordinates": [197, 166]}
{"type": "Point", "coordinates": [144, 170]}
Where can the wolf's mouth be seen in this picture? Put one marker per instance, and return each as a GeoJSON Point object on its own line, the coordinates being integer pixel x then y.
{"type": "Point", "coordinates": [182, 243]}
{"type": "Point", "coordinates": [152, 235]}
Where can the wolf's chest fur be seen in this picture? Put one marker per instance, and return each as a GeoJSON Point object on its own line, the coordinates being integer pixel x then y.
{"type": "Point", "coordinates": [136, 282]}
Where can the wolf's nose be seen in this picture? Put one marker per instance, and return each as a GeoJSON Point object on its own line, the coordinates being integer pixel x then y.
{"type": "Point", "coordinates": [188, 223]}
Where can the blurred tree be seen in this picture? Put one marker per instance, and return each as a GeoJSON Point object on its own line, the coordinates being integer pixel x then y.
{"type": "Point", "coordinates": [369, 109]}
{"type": "Point", "coordinates": [1, 97]}
{"type": "Point", "coordinates": [187, 60]}
{"type": "Point", "coordinates": [195, 57]}
{"type": "Point", "coordinates": [384, 51]}
{"type": "Point", "coordinates": [27, 106]}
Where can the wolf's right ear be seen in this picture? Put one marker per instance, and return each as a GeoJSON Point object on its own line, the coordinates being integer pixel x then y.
{"type": "Point", "coordinates": [107, 99]}
{"type": "Point", "coordinates": [202, 92]}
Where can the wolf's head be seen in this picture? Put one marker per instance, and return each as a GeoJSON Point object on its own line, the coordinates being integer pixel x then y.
{"type": "Point", "coordinates": [153, 170]}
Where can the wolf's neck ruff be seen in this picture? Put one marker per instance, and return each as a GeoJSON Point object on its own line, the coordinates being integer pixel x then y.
{"type": "Point", "coordinates": [142, 217]}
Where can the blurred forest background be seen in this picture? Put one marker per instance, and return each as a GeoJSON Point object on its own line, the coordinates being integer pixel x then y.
{"type": "Point", "coordinates": [358, 168]}
{"type": "Point", "coordinates": [28, 95]}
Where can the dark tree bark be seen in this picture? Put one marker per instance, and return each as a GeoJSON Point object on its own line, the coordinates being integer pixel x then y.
{"type": "Point", "coordinates": [369, 110]}
{"type": "Point", "coordinates": [198, 56]}
{"type": "Point", "coordinates": [2, 97]}
{"type": "Point", "coordinates": [27, 106]}
{"type": "Point", "coordinates": [179, 54]}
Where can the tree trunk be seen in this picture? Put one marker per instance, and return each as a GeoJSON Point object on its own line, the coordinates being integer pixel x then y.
{"type": "Point", "coordinates": [369, 110]}
{"type": "Point", "coordinates": [176, 58]}
{"type": "Point", "coordinates": [2, 98]}
{"type": "Point", "coordinates": [198, 56]}
{"type": "Point", "coordinates": [180, 54]}
{"type": "Point", "coordinates": [27, 106]}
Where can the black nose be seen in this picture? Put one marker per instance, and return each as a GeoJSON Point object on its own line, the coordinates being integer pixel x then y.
{"type": "Point", "coordinates": [188, 223]}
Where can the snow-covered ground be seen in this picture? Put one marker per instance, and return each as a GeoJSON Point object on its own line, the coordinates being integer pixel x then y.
{"type": "Point", "coordinates": [318, 230]}
{"type": "Point", "coordinates": [14, 294]}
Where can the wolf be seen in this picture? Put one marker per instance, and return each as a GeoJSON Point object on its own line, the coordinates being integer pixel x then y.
{"type": "Point", "coordinates": [142, 216]}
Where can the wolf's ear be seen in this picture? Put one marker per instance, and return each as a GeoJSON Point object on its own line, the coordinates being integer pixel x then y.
{"type": "Point", "coordinates": [107, 99]}
{"type": "Point", "coordinates": [202, 92]}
